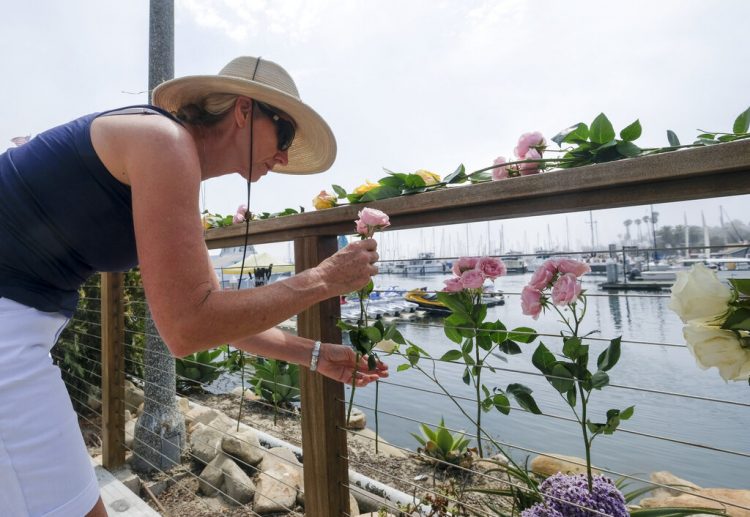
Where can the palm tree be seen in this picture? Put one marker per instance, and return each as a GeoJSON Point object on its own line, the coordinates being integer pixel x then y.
{"type": "Point", "coordinates": [627, 224]}
{"type": "Point", "coordinates": [638, 225]}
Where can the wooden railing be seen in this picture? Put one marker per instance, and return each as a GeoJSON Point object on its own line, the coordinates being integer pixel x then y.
{"type": "Point", "coordinates": [707, 172]}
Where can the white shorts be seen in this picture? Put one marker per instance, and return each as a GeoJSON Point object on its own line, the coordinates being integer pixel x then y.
{"type": "Point", "coordinates": [44, 465]}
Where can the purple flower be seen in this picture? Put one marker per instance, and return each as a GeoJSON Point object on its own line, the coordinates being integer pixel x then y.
{"type": "Point", "coordinates": [569, 496]}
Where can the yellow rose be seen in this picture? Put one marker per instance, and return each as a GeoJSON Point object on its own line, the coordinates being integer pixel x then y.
{"type": "Point", "coordinates": [430, 178]}
{"type": "Point", "coordinates": [324, 200]}
{"type": "Point", "coordinates": [363, 189]}
{"type": "Point", "coordinates": [206, 221]}
{"type": "Point", "coordinates": [699, 295]}
{"type": "Point", "coordinates": [712, 346]}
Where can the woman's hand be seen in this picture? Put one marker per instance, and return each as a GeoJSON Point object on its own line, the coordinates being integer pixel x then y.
{"type": "Point", "coordinates": [350, 268]}
{"type": "Point", "coordinates": [337, 362]}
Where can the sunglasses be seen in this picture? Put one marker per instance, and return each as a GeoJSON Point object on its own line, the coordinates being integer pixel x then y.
{"type": "Point", "coordinates": [285, 130]}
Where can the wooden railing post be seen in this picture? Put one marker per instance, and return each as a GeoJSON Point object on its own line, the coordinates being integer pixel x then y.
{"type": "Point", "coordinates": [323, 438]}
{"type": "Point", "coordinates": [113, 370]}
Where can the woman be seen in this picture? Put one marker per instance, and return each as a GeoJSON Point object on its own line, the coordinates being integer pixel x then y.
{"type": "Point", "coordinates": [112, 190]}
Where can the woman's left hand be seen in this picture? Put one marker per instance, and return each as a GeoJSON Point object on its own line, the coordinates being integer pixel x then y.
{"type": "Point", "coordinates": [337, 362]}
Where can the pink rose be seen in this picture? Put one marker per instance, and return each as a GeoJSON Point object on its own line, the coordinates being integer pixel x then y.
{"type": "Point", "coordinates": [531, 167]}
{"type": "Point", "coordinates": [499, 173]}
{"type": "Point", "coordinates": [371, 220]}
{"type": "Point", "coordinates": [566, 290]}
{"type": "Point", "coordinates": [541, 277]}
{"type": "Point", "coordinates": [576, 267]}
{"type": "Point", "coordinates": [531, 301]}
{"type": "Point", "coordinates": [453, 285]}
{"type": "Point", "coordinates": [472, 279]}
{"type": "Point", "coordinates": [491, 267]}
{"type": "Point", "coordinates": [530, 140]}
{"type": "Point", "coordinates": [240, 215]}
{"type": "Point", "coordinates": [464, 264]}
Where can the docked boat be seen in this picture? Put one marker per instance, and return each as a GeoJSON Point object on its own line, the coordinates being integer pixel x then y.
{"type": "Point", "coordinates": [726, 268]}
{"type": "Point", "coordinates": [514, 264]}
{"type": "Point", "coordinates": [426, 264]}
{"type": "Point", "coordinates": [428, 300]}
{"type": "Point", "coordinates": [380, 303]}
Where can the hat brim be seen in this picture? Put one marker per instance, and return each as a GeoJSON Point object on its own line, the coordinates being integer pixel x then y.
{"type": "Point", "coordinates": [314, 147]}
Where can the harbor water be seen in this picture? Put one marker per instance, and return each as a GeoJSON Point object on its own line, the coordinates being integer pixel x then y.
{"type": "Point", "coordinates": [684, 421]}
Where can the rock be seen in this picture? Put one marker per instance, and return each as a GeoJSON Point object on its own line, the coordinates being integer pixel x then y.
{"type": "Point", "coordinates": [732, 498]}
{"type": "Point", "coordinates": [244, 446]}
{"type": "Point", "coordinates": [237, 485]}
{"type": "Point", "coordinates": [94, 402]}
{"type": "Point", "coordinates": [205, 443]}
{"type": "Point", "coordinates": [128, 478]}
{"type": "Point", "coordinates": [200, 415]}
{"type": "Point", "coordinates": [367, 438]}
{"type": "Point", "coordinates": [279, 481]}
{"type": "Point", "coordinates": [497, 461]}
{"type": "Point", "coordinates": [183, 404]}
{"type": "Point", "coordinates": [133, 396]}
{"type": "Point", "coordinates": [667, 478]}
{"type": "Point", "coordinates": [357, 420]}
{"type": "Point", "coordinates": [553, 463]}
{"type": "Point", "coordinates": [211, 478]}
{"type": "Point", "coordinates": [250, 395]}
{"type": "Point", "coordinates": [129, 433]}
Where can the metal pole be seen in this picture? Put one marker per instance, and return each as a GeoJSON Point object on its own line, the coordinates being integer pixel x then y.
{"type": "Point", "coordinates": [160, 43]}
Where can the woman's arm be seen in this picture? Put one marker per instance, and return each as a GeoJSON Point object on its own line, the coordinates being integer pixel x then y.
{"type": "Point", "coordinates": [336, 361]}
{"type": "Point", "coordinates": [162, 167]}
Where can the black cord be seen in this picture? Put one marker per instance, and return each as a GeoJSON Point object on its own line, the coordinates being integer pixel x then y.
{"type": "Point", "coordinates": [249, 183]}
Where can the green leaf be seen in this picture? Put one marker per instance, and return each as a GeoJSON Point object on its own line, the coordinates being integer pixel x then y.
{"type": "Point", "coordinates": [452, 333]}
{"type": "Point", "coordinates": [510, 347]}
{"type": "Point", "coordinates": [601, 130]}
{"type": "Point", "coordinates": [599, 380]}
{"type": "Point", "coordinates": [572, 134]}
{"type": "Point", "coordinates": [382, 192]}
{"type": "Point", "coordinates": [610, 356]}
{"type": "Point", "coordinates": [366, 290]}
{"type": "Point", "coordinates": [402, 367]}
{"type": "Point", "coordinates": [340, 192]}
{"type": "Point", "coordinates": [373, 334]}
{"type": "Point", "coordinates": [522, 394]}
{"type": "Point", "coordinates": [455, 302]}
{"type": "Point", "coordinates": [571, 347]}
{"type": "Point", "coordinates": [466, 377]}
{"type": "Point", "coordinates": [484, 342]}
{"type": "Point", "coordinates": [393, 182]}
{"type": "Point", "coordinates": [560, 378]}
{"type": "Point", "coordinates": [627, 413]}
{"type": "Point", "coordinates": [522, 335]}
{"type": "Point", "coordinates": [501, 403]}
{"type": "Point", "coordinates": [419, 439]}
{"type": "Point", "coordinates": [479, 312]}
{"type": "Point", "coordinates": [429, 433]}
{"type": "Point", "coordinates": [742, 123]}
{"type": "Point", "coordinates": [631, 132]}
{"type": "Point", "coordinates": [570, 396]}
{"type": "Point", "coordinates": [457, 176]}
{"type": "Point", "coordinates": [444, 439]}
{"type": "Point", "coordinates": [672, 137]}
{"type": "Point", "coordinates": [741, 284]}
{"type": "Point", "coordinates": [542, 358]}
{"type": "Point", "coordinates": [452, 355]}
{"type": "Point", "coordinates": [628, 149]}
{"type": "Point", "coordinates": [738, 320]}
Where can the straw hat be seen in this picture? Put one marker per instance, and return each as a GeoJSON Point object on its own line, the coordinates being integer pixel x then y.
{"type": "Point", "coordinates": [314, 146]}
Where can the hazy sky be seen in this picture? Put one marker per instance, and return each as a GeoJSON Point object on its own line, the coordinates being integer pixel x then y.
{"type": "Point", "coordinates": [408, 84]}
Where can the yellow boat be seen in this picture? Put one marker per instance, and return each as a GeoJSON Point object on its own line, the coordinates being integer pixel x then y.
{"type": "Point", "coordinates": [428, 301]}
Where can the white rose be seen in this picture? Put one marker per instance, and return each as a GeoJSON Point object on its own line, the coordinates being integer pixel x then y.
{"type": "Point", "coordinates": [387, 345]}
{"type": "Point", "coordinates": [712, 346]}
{"type": "Point", "coordinates": [699, 295]}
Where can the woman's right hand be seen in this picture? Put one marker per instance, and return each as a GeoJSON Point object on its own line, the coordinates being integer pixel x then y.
{"type": "Point", "coordinates": [350, 268]}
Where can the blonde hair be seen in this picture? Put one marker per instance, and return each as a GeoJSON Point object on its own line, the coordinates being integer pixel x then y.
{"type": "Point", "coordinates": [208, 110]}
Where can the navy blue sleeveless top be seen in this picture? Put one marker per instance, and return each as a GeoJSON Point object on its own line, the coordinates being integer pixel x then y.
{"type": "Point", "coordinates": [63, 216]}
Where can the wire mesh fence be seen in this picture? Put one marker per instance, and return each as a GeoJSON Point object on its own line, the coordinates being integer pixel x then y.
{"type": "Point", "coordinates": [414, 442]}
